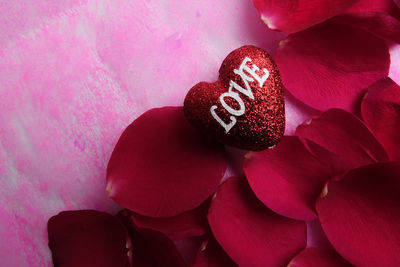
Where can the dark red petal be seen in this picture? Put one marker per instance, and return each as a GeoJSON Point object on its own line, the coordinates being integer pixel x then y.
{"type": "Point", "coordinates": [360, 214]}
{"type": "Point", "coordinates": [211, 254]}
{"type": "Point", "coordinates": [295, 15]}
{"type": "Point", "coordinates": [317, 257]}
{"type": "Point", "coordinates": [331, 65]}
{"type": "Point", "coordinates": [182, 226]}
{"type": "Point", "coordinates": [380, 110]}
{"type": "Point", "coordinates": [250, 233]}
{"type": "Point", "coordinates": [289, 178]}
{"type": "Point", "coordinates": [150, 248]}
{"type": "Point", "coordinates": [345, 135]}
{"type": "Point", "coordinates": [162, 166]}
{"type": "Point", "coordinates": [379, 23]}
{"type": "Point", "coordinates": [88, 238]}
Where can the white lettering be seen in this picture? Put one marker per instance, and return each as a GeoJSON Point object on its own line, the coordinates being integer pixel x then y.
{"type": "Point", "coordinates": [252, 71]}
{"type": "Point", "coordinates": [233, 95]}
{"type": "Point", "coordinates": [227, 127]}
{"type": "Point", "coordinates": [247, 92]}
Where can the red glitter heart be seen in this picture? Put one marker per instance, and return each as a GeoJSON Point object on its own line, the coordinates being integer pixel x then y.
{"type": "Point", "coordinates": [245, 108]}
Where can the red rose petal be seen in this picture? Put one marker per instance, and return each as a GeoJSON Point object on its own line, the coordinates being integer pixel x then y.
{"type": "Point", "coordinates": [289, 178]}
{"type": "Point", "coordinates": [317, 257]}
{"type": "Point", "coordinates": [182, 226]}
{"type": "Point", "coordinates": [211, 254]}
{"type": "Point", "coordinates": [319, 251]}
{"type": "Point", "coordinates": [162, 166]}
{"type": "Point", "coordinates": [150, 248]}
{"type": "Point", "coordinates": [380, 110]}
{"type": "Point", "coordinates": [316, 236]}
{"type": "Point", "coordinates": [188, 248]}
{"type": "Point", "coordinates": [362, 6]}
{"type": "Point", "coordinates": [250, 233]}
{"type": "Point", "coordinates": [295, 15]}
{"type": "Point", "coordinates": [381, 24]}
{"type": "Point", "coordinates": [345, 135]}
{"type": "Point", "coordinates": [360, 215]}
{"type": "Point", "coordinates": [88, 238]}
{"type": "Point", "coordinates": [331, 65]}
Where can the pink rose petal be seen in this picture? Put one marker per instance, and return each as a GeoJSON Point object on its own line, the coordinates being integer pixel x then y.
{"type": "Point", "coordinates": [295, 15]}
{"type": "Point", "coordinates": [380, 110]}
{"type": "Point", "coordinates": [182, 226]}
{"type": "Point", "coordinates": [360, 214]}
{"type": "Point", "coordinates": [211, 254]}
{"type": "Point", "coordinates": [345, 135]}
{"type": "Point", "coordinates": [88, 238]}
{"type": "Point", "coordinates": [317, 257]}
{"type": "Point", "coordinates": [331, 65]}
{"type": "Point", "coordinates": [379, 23]}
{"type": "Point", "coordinates": [249, 232]}
{"type": "Point", "coordinates": [289, 178]}
{"type": "Point", "coordinates": [161, 166]}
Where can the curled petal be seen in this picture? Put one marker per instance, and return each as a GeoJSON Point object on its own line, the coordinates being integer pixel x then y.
{"type": "Point", "coordinates": [378, 23]}
{"type": "Point", "coordinates": [380, 110]}
{"type": "Point", "coordinates": [211, 254]}
{"type": "Point", "coordinates": [318, 257]}
{"type": "Point", "coordinates": [162, 166]}
{"type": "Point", "coordinates": [250, 233]}
{"type": "Point", "coordinates": [289, 177]}
{"type": "Point", "coordinates": [292, 16]}
{"type": "Point", "coordinates": [179, 227]}
{"type": "Point", "coordinates": [345, 135]}
{"type": "Point", "coordinates": [88, 238]}
{"type": "Point", "coordinates": [360, 214]}
{"type": "Point", "coordinates": [331, 65]}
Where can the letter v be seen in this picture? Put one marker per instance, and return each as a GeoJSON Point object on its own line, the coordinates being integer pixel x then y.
{"type": "Point", "coordinates": [246, 92]}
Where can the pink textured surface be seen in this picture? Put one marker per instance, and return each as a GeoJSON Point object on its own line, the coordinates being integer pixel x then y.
{"type": "Point", "coordinates": [74, 74]}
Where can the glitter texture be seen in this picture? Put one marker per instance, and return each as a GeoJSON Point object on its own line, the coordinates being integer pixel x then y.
{"type": "Point", "coordinates": [263, 123]}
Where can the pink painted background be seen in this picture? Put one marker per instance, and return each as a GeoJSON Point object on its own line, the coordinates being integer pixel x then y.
{"type": "Point", "coordinates": [74, 74]}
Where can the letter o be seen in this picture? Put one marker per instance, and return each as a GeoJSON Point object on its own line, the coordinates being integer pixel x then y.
{"type": "Point", "coordinates": [233, 95]}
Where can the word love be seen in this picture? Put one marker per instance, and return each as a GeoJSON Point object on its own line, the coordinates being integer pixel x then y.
{"type": "Point", "coordinates": [235, 96]}
{"type": "Point", "coordinates": [245, 107]}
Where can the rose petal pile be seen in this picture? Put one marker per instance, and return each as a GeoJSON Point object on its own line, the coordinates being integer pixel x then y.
{"type": "Point", "coordinates": [335, 49]}
{"type": "Point", "coordinates": [335, 169]}
{"type": "Point", "coordinates": [327, 196]}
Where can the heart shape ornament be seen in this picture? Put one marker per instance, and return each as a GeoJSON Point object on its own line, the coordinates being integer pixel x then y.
{"type": "Point", "coordinates": [245, 108]}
